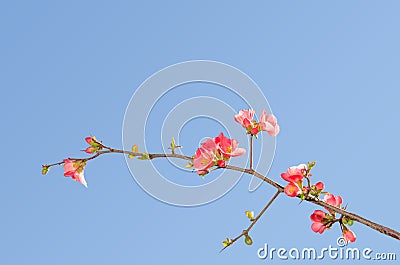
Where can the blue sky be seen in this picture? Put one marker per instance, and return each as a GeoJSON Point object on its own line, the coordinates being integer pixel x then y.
{"type": "Point", "coordinates": [68, 69]}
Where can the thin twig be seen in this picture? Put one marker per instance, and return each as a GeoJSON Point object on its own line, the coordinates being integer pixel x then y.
{"type": "Point", "coordinates": [254, 221]}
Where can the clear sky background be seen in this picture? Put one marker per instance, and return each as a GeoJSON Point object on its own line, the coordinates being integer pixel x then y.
{"type": "Point", "coordinates": [330, 71]}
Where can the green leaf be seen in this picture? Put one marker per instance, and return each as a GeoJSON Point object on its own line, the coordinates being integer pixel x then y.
{"type": "Point", "coordinates": [144, 156]}
{"type": "Point", "coordinates": [173, 145]}
{"type": "Point", "coordinates": [189, 165]}
{"type": "Point", "coordinates": [250, 215]}
{"type": "Point", "coordinates": [350, 222]}
{"type": "Point", "coordinates": [227, 242]}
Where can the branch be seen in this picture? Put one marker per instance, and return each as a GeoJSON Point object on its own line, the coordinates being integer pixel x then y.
{"type": "Point", "coordinates": [380, 228]}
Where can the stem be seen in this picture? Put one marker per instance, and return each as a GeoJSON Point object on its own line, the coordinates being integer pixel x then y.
{"type": "Point", "coordinates": [251, 151]}
{"type": "Point", "coordinates": [380, 228]}
{"type": "Point", "coordinates": [254, 221]}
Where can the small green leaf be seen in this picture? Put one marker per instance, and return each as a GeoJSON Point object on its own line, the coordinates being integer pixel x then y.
{"type": "Point", "coordinates": [134, 150]}
{"type": "Point", "coordinates": [227, 242]}
{"type": "Point", "coordinates": [189, 165]}
{"type": "Point", "coordinates": [173, 145]}
{"type": "Point", "coordinates": [144, 156]}
{"type": "Point", "coordinates": [350, 222]}
{"type": "Point", "coordinates": [248, 240]}
{"type": "Point", "coordinates": [250, 215]}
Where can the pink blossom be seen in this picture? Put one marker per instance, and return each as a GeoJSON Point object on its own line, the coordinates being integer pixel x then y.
{"type": "Point", "coordinates": [228, 147]}
{"type": "Point", "coordinates": [317, 218]}
{"type": "Point", "coordinates": [333, 200]}
{"type": "Point", "coordinates": [292, 190]}
{"type": "Point", "coordinates": [75, 169]}
{"type": "Point", "coordinates": [210, 145]}
{"type": "Point", "coordinates": [294, 173]}
{"type": "Point", "coordinates": [205, 157]}
{"type": "Point", "coordinates": [245, 117]}
{"type": "Point", "coordinates": [203, 160]}
{"type": "Point", "coordinates": [269, 123]}
{"type": "Point", "coordinates": [349, 235]}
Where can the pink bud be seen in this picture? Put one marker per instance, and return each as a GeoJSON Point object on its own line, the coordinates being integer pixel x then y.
{"type": "Point", "coordinates": [254, 131]}
{"type": "Point", "coordinates": [349, 235]}
{"type": "Point", "coordinates": [89, 140]}
{"type": "Point", "coordinates": [89, 150]}
{"type": "Point", "coordinates": [319, 186]}
{"type": "Point", "coordinates": [221, 163]}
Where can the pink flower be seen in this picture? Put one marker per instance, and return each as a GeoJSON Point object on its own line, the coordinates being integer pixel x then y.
{"type": "Point", "coordinates": [294, 174]}
{"type": "Point", "coordinates": [215, 152]}
{"type": "Point", "coordinates": [75, 170]}
{"type": "Point", "coordinates": [269, 123]}
{"type": "Point", "coordinates": [349, 235]}
{"type": "Point", "coordinates": [228, 147]}
{"type": "Point", "coordinates": [292, 190]}
{"type": "Point", "coordinates": [210, 145]}
{"type": "Point", "coordinates": [333, 200]}
{"type": "Point", "coordinates": [205, 157]}
{"type": "Point", "coordinates": [317, 218]}
{"type": "Point", "coordinates": [245, 118]}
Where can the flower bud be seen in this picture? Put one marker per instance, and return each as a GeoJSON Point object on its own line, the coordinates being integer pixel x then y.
{"type": "Point", "coordinates": [90, 150]}
{"type": "Point", "coordinates": [248, 240]}
{"type": "Point", "coordinates": [254, 131]}
{"type": "Point", "coordinates": [319, 185]}
{"type": "Point", "coordinates": [89, 140]}
{"type": "Point", "coordinates": [45, 169]}
{"type": "Point", "coordinates": [221, 163]}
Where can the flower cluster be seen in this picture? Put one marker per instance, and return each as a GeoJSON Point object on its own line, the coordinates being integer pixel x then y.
{"type": "Point", "coordinates": [295, 175]}
{"type": "Point", "coordinates": [267, 123]}
{"type": "Point", "coordinates": [215, 152]}
{"type": "Point", "coordinates": [321, 220]}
